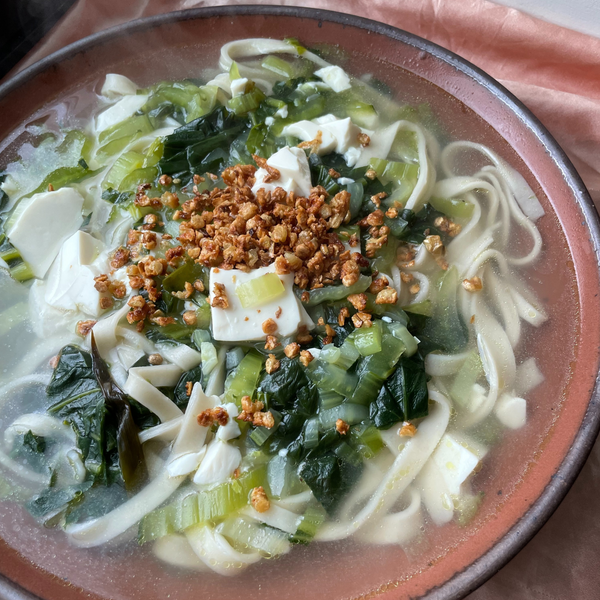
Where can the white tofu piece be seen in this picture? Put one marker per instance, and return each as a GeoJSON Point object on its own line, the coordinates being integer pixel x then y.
{"type": "Point", "coordinates": [185, 463]}
{"type": "Point", "coordinates": [118, 85]}
{"type": "Point", "coordinates": [44, 224]}
{"type": "Point", "coordinates": [344, 180]}
{"type": "Point", "coordinates": [236, 323]}
{"type": "Point", "coordinates": [528, 377]}
{"type": "Point", "coordinates": [46, 320]}
{"type": "Point", "coordinates": [436, 497]}
{"type": "Point", "coordinates": [121, 110]}
{"type": "Point", "coordinates": [219, 463]}
{"type": "Point", "coordinates": [511, 411]}
{"type": "Point", "coordinates": [345, 133]}
{"type": "Point", "coordinates": [307, 131]}
{"type": "Point", "coordinates": [232, 429]}
{"type": "Point", "coordinates": [335, 77]}
{"type": "Point", "coordinates": [352, 156]}
{"type": "Point", "coordinates": [454, 461]}
{"type": "Point", "coordinates": [238, 86]}
{"type": "Point", "coordinates": [477, 398]}
{"type": "Point", "coordinates": [71, 278]}
{"type": "Point", "coordinates": [380, 145]}
{"type": "Point", "coordinates": [293, 167]}
{"type": "Point", "coordinates": [337, 135]}
{"type": "Point", "coordinates": [329, 118]}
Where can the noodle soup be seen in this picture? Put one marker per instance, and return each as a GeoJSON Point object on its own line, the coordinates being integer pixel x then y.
{"type": "Point", "coordinates": [307, 310]}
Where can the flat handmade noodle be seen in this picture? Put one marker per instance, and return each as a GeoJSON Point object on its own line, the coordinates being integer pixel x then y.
{"type": "Point", "coordinates": [142, 385]}
{"type": "Point", "coordinates": [188, 448]}
{"type": "Point", "coordinates": [183, 356]}
{"type": "Point", "coordinates": [444, 364]}
{"type": "Point", "coordinates": [169, 430]}
{"type": "Point", "coordinates": [96, 532]}
{"type": "Point", "coordinates": [380, 148]}
{"type": "Point", "coordinates": [511, 189]}
{"type": "Point", "coordinates": [259, 47]}
{"type": "Point", "coordinates": [216, 552]}
{"type": "Point", "coordinates": [396, 527]}
{"type": "Point", "coordinates": [175, 550]}
{"type": "Point", "coordinates": [405, 468]}
{"type": "Point", "coordinates": [105, 330]}
{"type": "Point", "coordinates": [6, 461]}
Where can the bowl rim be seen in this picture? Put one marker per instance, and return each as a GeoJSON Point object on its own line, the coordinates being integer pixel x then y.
{"type": "Point", "coordinates": [513, 541]}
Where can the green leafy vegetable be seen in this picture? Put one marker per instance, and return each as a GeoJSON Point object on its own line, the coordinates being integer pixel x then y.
{"type": "Point", "coordinates": [53, 501]}
{"type": "Point", "coordinates": [104, 426]}
{"type": "Point", "coordinates": [329, 477]}
{"type": "Point", "coordinates": [180, 395]}
{"type": "Point", "coordinates": [131, 455]}
{"type": "Point", "coordinates": [403, 396]}
{"type": "Point", "coordinates": [31, 449]}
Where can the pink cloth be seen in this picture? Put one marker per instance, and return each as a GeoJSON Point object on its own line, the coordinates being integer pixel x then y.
{"type": "Point", "coordinates": [556, 73]}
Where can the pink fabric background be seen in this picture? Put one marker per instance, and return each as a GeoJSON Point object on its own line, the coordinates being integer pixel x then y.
{"type": "Point", "coordinates": [556, 73]}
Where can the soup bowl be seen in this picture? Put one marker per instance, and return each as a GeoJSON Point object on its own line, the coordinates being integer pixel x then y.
{"type": "Point", "coordinates": [526, 477]}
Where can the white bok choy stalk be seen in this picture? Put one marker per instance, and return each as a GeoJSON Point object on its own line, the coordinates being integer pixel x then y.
{"type": "Point", "coordinates": [408, 463]}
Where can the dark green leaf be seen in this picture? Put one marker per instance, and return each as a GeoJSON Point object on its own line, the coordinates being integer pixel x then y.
{"type": "Point", "coordinates": [131, 455]}
{"type": "Point", "coordinates": [99, 501]}
{"type": "Point", "coordinates": [329, 477]}
{"type": "Point", "coordinates": [180, 394]}
{"type": "Point", "coordinates": [404, 395]}
{"type": "Point", "coordinates": [282, 386]}
{"type": "Point", "coordinates": [115, 197]}
{"type": "Point", "coordinates": [54, 500]}
{"type": "Point", "coordinates": [31, 449]}
{"type": "Point", "coordinates": [385, 411]}
{"type": "Point", "coordinates": [173, 334]}
{"type": "Point", "coordinates": [416, 397]}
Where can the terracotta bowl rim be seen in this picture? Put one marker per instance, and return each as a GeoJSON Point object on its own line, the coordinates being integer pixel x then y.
{"type": "Point", "coordinates": [542, 508]}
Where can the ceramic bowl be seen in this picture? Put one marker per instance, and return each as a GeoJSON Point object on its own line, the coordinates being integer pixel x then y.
{"type": "Point", "coordinates": [526, 477]}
